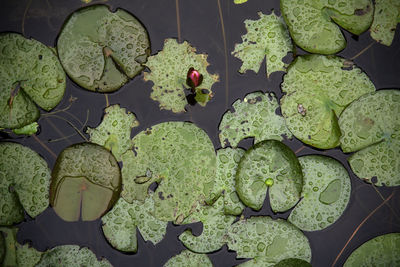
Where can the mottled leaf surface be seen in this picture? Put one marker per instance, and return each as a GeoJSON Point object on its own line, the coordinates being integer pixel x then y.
{"type": "Point", "coordinates": [371, 126]}
{"type": "Point", "coordinates": [269, 164]}
{"type": "Point", "coordinates": [325, 195]}
{"type": "Point", "coordinates": [386, 17]}
{"type": "Point", "coordinates": [254, 116]}
{"type": "Point", "coordinates": [168, 72]}
{"type": "Point", "coordinates": [265, 262]}
{"type": "Point", "coordinates": [189, 259]}
{"type": "Point", "coordinates": [317, 89]}
{"type": "Point", "coordinates": [267, 37]}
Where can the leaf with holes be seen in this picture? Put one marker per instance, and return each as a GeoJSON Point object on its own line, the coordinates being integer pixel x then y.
{"type": "Point", "coordinates": [386, 17]}
{"type": "Point", "coordinates": [187, 258]}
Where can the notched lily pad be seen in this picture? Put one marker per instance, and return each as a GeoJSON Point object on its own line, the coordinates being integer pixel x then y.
{"type": "Point", "coordinates": [86, 182]}
{"type": "Point", "coordinates": [100, 50]}
{"type": "Point", "coordinates": [269, 164]}
{"type": "Point", "coordinates": [24, 183]}
{"type": "Point", "coordinates": [325, 195]}
{"type": "Point", "coordinates": [311, 26]}
{"type": "Point", "coordinates": [114, 132]}
{"type": "Point", "coordinates": [30, 75]}
{"type": "Point", "coordinates": [189, 259]}
{"type": "Point", "coordinates": [371, 126]}
{"type": "Point", "coordinates": [379, 251]}
{"type": "Point", "coordinates": [168, 72]}
{"type": "Point", "coordinates": [266, 37]}
{"type": "Point", "coordinates": [386, 17]}
{"type": "Point", "coordinates": [317, 89]}
{"type": "Point", "coordinates": [256, 117]}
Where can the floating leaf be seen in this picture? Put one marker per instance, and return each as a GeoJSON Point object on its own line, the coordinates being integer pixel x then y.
{"type": "Point", "coordinates": [114, 132]}
{"type": "Point", "coordinates": [371, 126]}
{"type": "Point", "coordinates": [120, 224]}
{"type": "Point", "coordinates": [215, 226]}
{"type": "Point", "coordinates": [239, 1]}
{"type": "Point", "coordinates": [27, 129]}
{"type": "Point", "coordinates": [386, 17]}
{"type": "Point", "coordinates": [269, 164]}
{"type": "Point", "coordinates": [24, 183]}
{"type": "Point", "coordinates": [311, 26]}
{"type": "Point", "coordinates": [100, 50]}
{"type": "Point", "coordinates": [169, 70]}
{"type": "Point", "coordinates": [69, 255]}
{"type": "Point", "coordinates": [30, 75]}
{"type": "Point", "coordinates": [86, 182]}
{"type": "Point", "coordinates": [274, 240]}
{"type": "Point", "coordinates": [266, 37]}
{"type": "Point", "coordinates": [265, 261]}
{"type": "Point", "coordinates": [182, 158]}
{"type": "Point", "coordinates": [325, 195]}
{"type": "Point", "coordinates": [256, 117]}
{"type": "Point", "coordinates": [189, 259]}
{"type": "Point", "coordinates": [317, 89]}
{"type": "Point", "coordinates": [379, 251]}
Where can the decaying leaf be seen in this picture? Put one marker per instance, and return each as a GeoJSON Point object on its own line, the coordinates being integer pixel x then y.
{"type": "Point", "coordinates": [386, 17]}
{"type": "Point", "coordinates": [189, 259]}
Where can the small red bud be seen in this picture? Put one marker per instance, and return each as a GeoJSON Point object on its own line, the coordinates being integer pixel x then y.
{"type": "Point", "coordinates": [194, 78]}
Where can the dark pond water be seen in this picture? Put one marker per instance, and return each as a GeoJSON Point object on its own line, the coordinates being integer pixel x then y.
{"type": "Point", "coordinates": [200, 24]}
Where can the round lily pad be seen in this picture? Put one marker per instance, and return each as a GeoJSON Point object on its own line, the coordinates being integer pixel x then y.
{"type": "Point", "coordinates": [256, 117]}
{"type": "Point", "coordinates": [386, 17]}
{"type": "Point", "coordinates": [168, 72]}
{"type": "Point", "coordinates": [181, 157]}
{"type": "Point", "coordinates": [24, 183]}
{"type": "Point", "coordinates": [371, 126]}
{"type": "Point", "coordinates": [100, 50]}
{"type": "Point", "coordinates": [379, 251]}
{"type": "Point", "coordinates": [264, 237]}
{"type": "Point", "coordinates": [312, 22]}
{"type": "Point", "coordinates": [317, 89]}
{"type": "Point", "coordinates": [30, 75]}
{"type": "Point", "coordinates": [325, 195]}
{"type": "Point", "coordinates": [269, 164]}
{"type": "Point", "coordinates": [86, 182]}
{"type": "Point", "coordinates": [189, 259]}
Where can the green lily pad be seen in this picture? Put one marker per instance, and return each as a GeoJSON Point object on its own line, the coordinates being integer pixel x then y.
{"type": "Point", "coordinates": [269, 164]}
{"type": "Point", "coordinates": [86, 182]}
{"type": "Point", "coordinates": [168, 72]}
{"type": "Point", "coordinates": [266, 37]}
{"type": "Point", "coordinates": [71, 255]}
{"type": "Point", "coordinates": [215, 227]}
{"type": "Point", "coordinates": [181, 157]}
{"type": "Point", "coordinates": [312, 22]}
{"type": "Point", "coordinates": [27, 129]}
{"type": "Point", "coordinates": [253, 117]}
{"type": "Point", "coordinates": [114, 132]}
{"type": "Point", "coordinates": [325, 195]}
{"type": "Point", "coordinates": [317, 90]}
{"type": "Point", "coordinates": [275, 240]}
{"type": "Point", "coordinates": [119, 224]}
{"type": "Point", "coordinates": [100, 50]}
{"type": "Point", "coordinates": [265, 261]}
{"type": "Point", "coordinates": [379, 251]}
{"type": "Point", "coordinates": [189, 259]}
{"type": "Point", "coordinates": [24, 183]}
{"type": "Point", "coordinates": [30, 75]}
{"type": "Point", "coordinates": [371, 126]}
{"type": "Point", "coordinates": [386, 17]}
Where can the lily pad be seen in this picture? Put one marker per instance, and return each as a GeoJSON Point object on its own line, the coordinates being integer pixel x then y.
{"type": "Point", "coordinates": [86, 182]}
{"type": "Point", "coordinates": [119, 224]}
{"type": "Point", "coordinates": [181, 157]}
{"type": "Point", "coordinates": [379, 251]}
{"type": "Point", "coordinates": [114, 132]}
{"type": "Point", "coordinates": [325, 195]}
{"type": "Point", "coordinates": [30, 75]}
{"type": "Point", "coordinates": [256, 117]}
{"type": "Point", "coordinates": [386, 17]}
{"type": "Point", "coordinates": [312, 22]}
{"type": "Point", "coordinates": [317, 89]}
{"type": "Point", "coordinates": [27, 129]}
{"type": "Point", "coordinates": [273, 240]}
{"type": "Point", "coordinates": [266, 37]}
{"type": "Point", "coordinates": [189, 259]}
{"type": "Point", "coordinates": [100, 50]}
{"type": "Point", "coordinates": [371, 126]}
{"type": "Point", "coordinates": [269, 164]}
{"type": "Point", "coordinates": [168, 72]}
{"type": "Point", "coordinates": [70, 255]}
{"type": "Point", "coordinates": [215, 227]}
{"type": "Point", "coordinates": [24, 183]}
{"type": "Point", "coordinates": [264, 261]}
